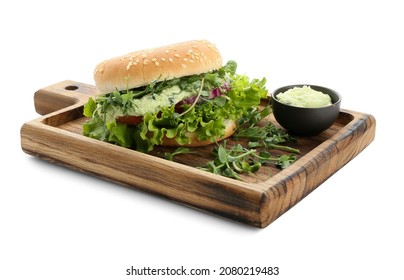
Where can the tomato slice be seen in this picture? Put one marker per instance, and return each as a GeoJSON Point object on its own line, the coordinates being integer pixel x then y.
{"type": "Point", "coordinates": [130, 119]}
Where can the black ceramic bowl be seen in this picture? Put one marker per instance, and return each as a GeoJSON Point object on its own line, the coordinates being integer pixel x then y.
{"type": "Point", "coordinates": [306, 121]}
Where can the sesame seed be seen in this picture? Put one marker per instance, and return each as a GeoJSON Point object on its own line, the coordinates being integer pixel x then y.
{"type": "Point", "coordinates": [185, 59]}
{"type": "Point", "coordinates": [176, 55]}
{"type": "Point", "coordinates": [192, 61]}
{"type": "Point", "coordinates": [163, 59]}
{"type": "Point", "coordinates": [145, 62]}
{"type": "Point", "coordinates": [167, 51]}
{"type": "Point", "coordinates": [157, 63]}
{"type": "Point", "coordinates": [170, 59]}
{"type": "Point", "coordinates": [129, 65]}
{"type": "Point", "coordinates": [154, 59]}
{"type": "Point", "coordinates": [183, 65]}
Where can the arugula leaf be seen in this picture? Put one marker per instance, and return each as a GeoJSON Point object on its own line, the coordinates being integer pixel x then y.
{"type": "Point", "coordinates": [286, 160]}
{"type": "Point", "coordinates": [254, 116]}
{"type": "Point", "coordinates": [222, 154]}
{"type": "Point", "coordinates": [178, 151]}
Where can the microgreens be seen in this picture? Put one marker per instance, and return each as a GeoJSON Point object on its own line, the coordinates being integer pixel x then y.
{"type": "Point", "coordinates": [268, 136]}
{"type": "Point", "coordinates": [234, 160]}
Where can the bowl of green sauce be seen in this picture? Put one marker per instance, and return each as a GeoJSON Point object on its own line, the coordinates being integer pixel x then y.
{"type": "Point", "coordinates": [305, 109]}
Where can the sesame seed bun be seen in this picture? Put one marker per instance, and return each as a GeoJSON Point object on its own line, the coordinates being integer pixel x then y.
{"type": "Point", "coordinates": [140, 68]}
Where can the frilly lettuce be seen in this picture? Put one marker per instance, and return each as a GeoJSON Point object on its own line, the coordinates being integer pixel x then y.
{"type": "Point", "coordinates": [207, 117]}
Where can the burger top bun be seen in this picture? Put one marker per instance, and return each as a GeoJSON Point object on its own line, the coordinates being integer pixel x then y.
{"type": "Point", "coordinates": [141, 68]}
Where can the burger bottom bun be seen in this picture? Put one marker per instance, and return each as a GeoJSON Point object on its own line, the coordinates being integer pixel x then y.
{"type": "Point", "coordinates": [229, 130]}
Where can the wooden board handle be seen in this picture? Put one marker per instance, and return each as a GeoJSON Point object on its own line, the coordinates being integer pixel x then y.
{"type": "Point", "coordinates": [61, 95]}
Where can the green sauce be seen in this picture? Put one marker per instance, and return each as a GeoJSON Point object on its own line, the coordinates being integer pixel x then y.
{"type": "Point", "coordinates": [150, 103]}
{"type": "Point", "coordinates": [304, 97]}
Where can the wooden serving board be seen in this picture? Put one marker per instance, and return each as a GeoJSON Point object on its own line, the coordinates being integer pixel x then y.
{"type": "Point", "coordinates": [258, 199]}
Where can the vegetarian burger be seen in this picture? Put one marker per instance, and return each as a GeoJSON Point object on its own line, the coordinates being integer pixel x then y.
{"type": "Point", "coordinates": [176, 95]}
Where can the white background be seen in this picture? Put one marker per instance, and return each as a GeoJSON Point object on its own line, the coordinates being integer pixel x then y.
{"type": "Point", "coordinates": [59, 224]}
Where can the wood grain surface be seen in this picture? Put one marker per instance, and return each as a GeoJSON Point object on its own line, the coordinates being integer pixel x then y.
{"type": "Point", "coordinates": [258, 199]}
